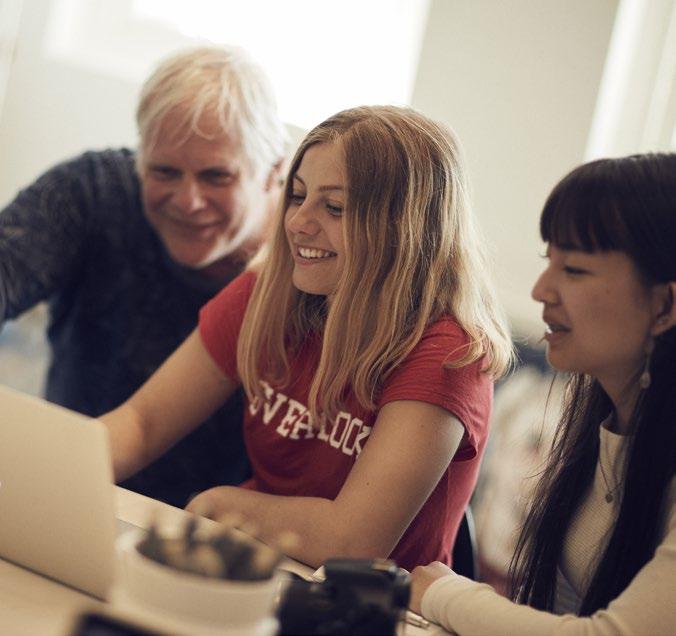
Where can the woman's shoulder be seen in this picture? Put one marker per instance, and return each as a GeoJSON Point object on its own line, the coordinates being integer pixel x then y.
{"type": "Point", "coordinates": [441, 343]}
{"type": "Point", "coordinates": [240, 286]}
{"type": "Point", "coordinates": [220, 321]}
{"type": "Point", "coordinates": [445, 327]}
{"type": "Point", "coordinates": [445, 334]}
{"type": "Point", "coordinates": [233, 297]}
{"type": "Point", "coordinates": [245, 281]}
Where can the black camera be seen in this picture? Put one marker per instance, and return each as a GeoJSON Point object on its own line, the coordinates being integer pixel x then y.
{"type": "Point", "coordinates": [357, 597]}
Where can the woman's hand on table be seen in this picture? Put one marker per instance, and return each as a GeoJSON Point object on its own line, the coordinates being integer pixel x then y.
{"type": "Point", "coordinates": [214, 502]}
{"type": "Point", "coordinates": [421, 578]}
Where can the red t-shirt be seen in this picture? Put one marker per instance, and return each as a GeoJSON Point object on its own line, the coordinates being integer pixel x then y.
{"type": "Point", "coordinates": [290, 457]}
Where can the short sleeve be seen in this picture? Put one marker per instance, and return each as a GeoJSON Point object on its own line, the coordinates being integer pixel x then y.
{"type": "Point", "coordinates": [424, 375]}
{"type": "Point", "coordinates": [221, 319]}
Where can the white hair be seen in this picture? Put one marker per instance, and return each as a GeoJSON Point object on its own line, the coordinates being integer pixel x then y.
{"type": "Point", "coordinates": [224, 81]}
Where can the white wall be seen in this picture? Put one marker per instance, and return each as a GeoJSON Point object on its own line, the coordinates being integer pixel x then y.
{"type": "Point", "coordinates": [636, 107]}
{"type": "Point", "coordinates": [517, 79]}
{"type": "Point", "coordinates": [53, 110]}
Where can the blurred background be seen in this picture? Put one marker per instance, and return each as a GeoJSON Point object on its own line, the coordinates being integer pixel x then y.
{"type": "Point", "coordinates": [532, 88]}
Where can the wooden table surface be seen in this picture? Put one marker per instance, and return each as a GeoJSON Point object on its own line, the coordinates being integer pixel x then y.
{"type": "Point", "coordinates": [31, 604]}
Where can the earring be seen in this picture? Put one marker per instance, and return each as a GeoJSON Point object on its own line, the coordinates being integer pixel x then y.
{"type": "Point", "coordinates": [644, 380]}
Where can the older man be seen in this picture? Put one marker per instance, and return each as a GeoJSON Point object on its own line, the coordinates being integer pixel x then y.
{"type": "Point", "coordinates": [126, 247]}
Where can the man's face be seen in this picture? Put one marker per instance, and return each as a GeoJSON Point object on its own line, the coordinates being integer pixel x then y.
{"type": "Point", "coordinates": [202, 198]}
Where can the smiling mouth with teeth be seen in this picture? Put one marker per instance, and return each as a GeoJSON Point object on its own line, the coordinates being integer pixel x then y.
{"type": "Point", "coordinates": [314, 253]}
{"type": "Point", "coordinates": [556, 328]}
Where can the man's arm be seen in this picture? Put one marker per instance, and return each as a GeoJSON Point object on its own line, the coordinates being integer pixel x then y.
{"type": "Point", "coordinates": [42, 233]}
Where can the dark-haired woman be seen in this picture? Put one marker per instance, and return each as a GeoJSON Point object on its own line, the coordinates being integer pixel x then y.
{"type": "Point", "coordinates": [597, 554]}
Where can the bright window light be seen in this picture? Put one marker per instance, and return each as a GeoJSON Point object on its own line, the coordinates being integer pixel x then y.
{"type": "Point", "coordinates": [321, 56]}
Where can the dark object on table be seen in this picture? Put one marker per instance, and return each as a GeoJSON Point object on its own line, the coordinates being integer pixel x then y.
{"type": "Point", "coordinates": [99, 624]}
{"type": "Point", "coordinates": [222, 554]}
{"type": "Point", "coordinates": [357, 597]}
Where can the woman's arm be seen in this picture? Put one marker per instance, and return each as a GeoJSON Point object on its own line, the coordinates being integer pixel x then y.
{"type": "Point", "coordinates": [408, 451]}
{"type": "Point", "coordinates": [180, 395]}
{"type": "Point", "coordinates": [470, 608]}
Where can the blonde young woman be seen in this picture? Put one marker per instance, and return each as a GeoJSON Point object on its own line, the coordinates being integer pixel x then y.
{"type": "Point", "coordinates": [366, 330]}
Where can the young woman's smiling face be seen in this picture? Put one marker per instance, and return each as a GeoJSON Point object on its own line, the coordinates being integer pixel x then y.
{"type": "Point", "coordinates": [599, 313]}
{"type": "Point", "coordinates": [314, 219]}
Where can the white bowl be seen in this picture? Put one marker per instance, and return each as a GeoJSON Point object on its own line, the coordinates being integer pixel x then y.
{"type": "Point", "coordinates": [243, 606]}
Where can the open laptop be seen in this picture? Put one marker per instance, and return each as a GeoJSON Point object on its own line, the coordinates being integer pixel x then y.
{"type": "Point", "coordinates": [57, 513]}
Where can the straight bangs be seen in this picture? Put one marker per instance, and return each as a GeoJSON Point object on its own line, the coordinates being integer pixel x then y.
{"type": "Point", "coordinates": [582, 213]}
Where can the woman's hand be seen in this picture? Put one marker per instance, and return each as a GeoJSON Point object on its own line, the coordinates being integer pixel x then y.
{"type": "Point", "coordinates": [421, 578]}
{"type": "Point", "coordinates": [214, 502]}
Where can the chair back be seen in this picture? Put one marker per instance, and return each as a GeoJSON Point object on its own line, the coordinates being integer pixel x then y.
{"type": "Point", "coordinates": [464, 552]}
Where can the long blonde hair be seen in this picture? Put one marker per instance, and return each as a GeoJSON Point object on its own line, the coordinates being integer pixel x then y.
{"type": "Point", "coordinates": [412, 257]}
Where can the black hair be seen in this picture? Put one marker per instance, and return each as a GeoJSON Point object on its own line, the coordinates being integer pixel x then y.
{"type": "Point", "coordinates": [626, 204]}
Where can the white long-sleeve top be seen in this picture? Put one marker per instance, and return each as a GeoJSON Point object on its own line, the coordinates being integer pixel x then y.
{"type": "Point", "coordinates": [647, 606]}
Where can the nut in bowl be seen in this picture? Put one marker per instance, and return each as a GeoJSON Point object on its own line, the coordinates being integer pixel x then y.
{"type": "Point", "coordinates": [186, 583]}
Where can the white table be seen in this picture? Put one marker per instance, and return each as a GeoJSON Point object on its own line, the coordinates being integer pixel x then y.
{"type": "Point", "coordinates": [31, 604]}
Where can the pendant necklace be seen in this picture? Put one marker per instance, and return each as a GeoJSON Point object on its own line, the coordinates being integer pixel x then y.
{"type": "Point", "coordinates": [610, 492]}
